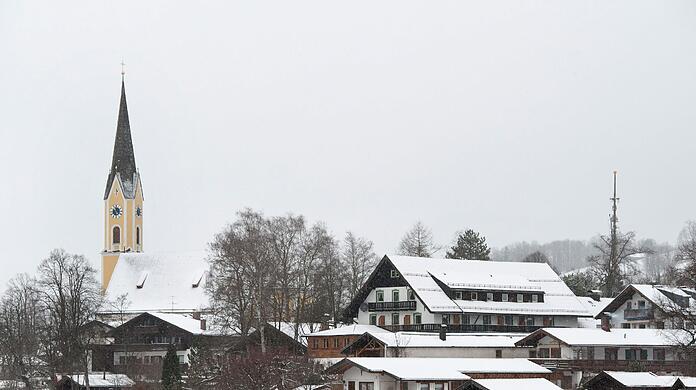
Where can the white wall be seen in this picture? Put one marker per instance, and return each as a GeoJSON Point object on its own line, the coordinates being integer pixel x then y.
{"type": "Point", "coordinates": [364, 316]}
{"type": "Point", "coordinates": [617, 317]}
{"type": "Point", "coordinates": [459, 352]}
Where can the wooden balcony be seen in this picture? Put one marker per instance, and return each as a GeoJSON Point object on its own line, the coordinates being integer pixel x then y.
{"type": "Point", "coordinates": [461, 328]}
{"type": "Point", "coordinates": [639, 314]}
{"type": "Point", "coordinates": [391, 306]}
{"type": "Point", "coordinates": [683, 366]}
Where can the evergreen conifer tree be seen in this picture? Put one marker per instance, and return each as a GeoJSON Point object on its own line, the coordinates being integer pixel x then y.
{"type": "Point", "coordinates": [470, 246]}
{"type": "Point", "coordinates": [171, 372]}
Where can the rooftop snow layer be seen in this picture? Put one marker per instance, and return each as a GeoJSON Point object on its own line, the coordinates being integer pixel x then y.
{"type": "Point", "coordinates": [641, 379]}
{"type": "Point", "coordinates": [349, 330]}
{"type": "Point", "coordinates": [514, 276]}
{"type": "Point", "coordinates": [453, 340]}
{"type": "Point", "coordinates": [517, 383]}
{"type": "Point", "coordinates": [167, 281]}
{"type": "Point", "coordinates": [615, 337]}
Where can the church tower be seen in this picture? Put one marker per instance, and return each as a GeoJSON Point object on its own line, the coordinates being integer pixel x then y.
{"type": "Point", "coordinates": [123, 198]}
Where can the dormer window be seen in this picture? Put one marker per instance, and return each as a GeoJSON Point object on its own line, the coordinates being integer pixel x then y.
{"type": "Point", "coordinates": [535, 298]}
{"type": "Point", "coordinates": [504, 297]}
{"type": "Point", "coordinates": [489, 296]}
{"type": "Point", "coordinates": [474, 296]}
{"type": "Point", "coordinates": [520, 298]}
{"type": "Point", "coordinates": [458, 295]}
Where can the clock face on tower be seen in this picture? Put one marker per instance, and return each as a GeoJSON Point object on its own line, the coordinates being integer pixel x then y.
{"type": "Point", "coordinates": [116, 211]}
{"type": "Point", "coordinates": [139, 211]}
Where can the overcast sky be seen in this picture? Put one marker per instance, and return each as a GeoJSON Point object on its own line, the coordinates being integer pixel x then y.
{"type": "Point", "coordinates": [507, 117]}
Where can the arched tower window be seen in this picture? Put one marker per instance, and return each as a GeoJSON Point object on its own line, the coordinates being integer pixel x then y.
{"type": "Point", "coordinates": [116, 236]}
{"type": "Point", "coordinates": [137, 235]}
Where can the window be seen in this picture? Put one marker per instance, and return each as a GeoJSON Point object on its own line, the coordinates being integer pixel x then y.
{"type": "Point", "coordinates": [394, 274]}
{"type": "Point", "coordinates": [404, 385]}
{"type": "Point", "coordinates": [379, 296]}
{"type": "Point", "coordinates": [505, 297]}
{"type": "Point", "coordinates": [438, 386]}
{"type": "Point", "coordinates": [116, 235]}
{"type": "Point", "coordinates": [548, 321]}
{"type": "Point", "coordinates": [626, 325]}
{"type": "Point", "coordinates": [346, 341]}
{"type": "Point", "coordinates": [520, 298]}
{"type": "Point", "coordinates": [641, 326]}
{"type": "Point", "coordinates": [395, 318]}
{"type": "Point", "coordinates": [543, 353]}
{"type": "Point", "coordinates": [641, 304]}
{"type": "Point", "coordinates": [325, 342]}
{"type": "Point", "coordinates": [474, 296]}
{"type": "Point", "coordinates": [486, 320]}
{"type": "Point", "coordinates": [181, 359]}
{"type": "Point", "coordinates": [658, 354]}
{"type": "Point", "coordinates": [532, 354]}
{"type": "Point", "coordinates": [423, 386]}
{"type": "Point", "coordinates": [367, 386]}
{"type": "Point", "coordinates": [417, 318]}
{"type": "Point", "coordinates": [498, 353]}
{"type": "Point", "coordinates": [643, 354]}
{"type": "Point", "coordinates": [336, 342]}
{"type": "Point", "coordinates": [373, 319]}
{"type": "Point", "coordinates": [535, 298]}
{"type": "Point", "coordinates": [395, 295]}
{"type": "Point", "coordinates": [315, 343]}
{"type": "Point", "coordinates": [458, 295]}
{"type": "Point", "coordinates": [121, 360]}
{"type": "Point", "coordinates": [411, 295]}
{"type": "Point", "coordinates": [445, 319]}
{"type": "Point", "coordinates": [137, 235]}
{"type": "Point", "coordinates": [630, 354]}
{"type": "Point", "coordinates": [508, 320]}
{"type": "Point", "coordinates": [611, 354]}
{"type": "Point", "coordinates": [489, 296]}
{"type": "Point", "coordinates": [530, 321]}
{"type": "Point", "coordinates": [555, 353]}
{"type": "Point", "coordinates": [629, 305]}
{"type": "Point", "coordinates": [466, 320]}
{"type": "Point", "coordinates": [659, 325]}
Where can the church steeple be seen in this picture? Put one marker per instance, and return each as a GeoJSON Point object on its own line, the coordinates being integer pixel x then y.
{"type": "Point", "coordinates": [123, 198]}
{"type": "Point", "coordinates": [123, 160]}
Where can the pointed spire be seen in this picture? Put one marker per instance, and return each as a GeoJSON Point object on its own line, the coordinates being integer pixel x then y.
{"type": "Point", "coordinates": [123, 161]}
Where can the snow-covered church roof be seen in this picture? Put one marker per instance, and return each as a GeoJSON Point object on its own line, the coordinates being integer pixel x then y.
{"type": "Point", "coordinates": [173, 282]}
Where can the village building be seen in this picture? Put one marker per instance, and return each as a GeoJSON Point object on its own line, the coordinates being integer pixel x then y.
{"type": "Point", "coordinates": [282, 337]}
{"type": "Point", "coordinates": [419, 294]}
{"type": "Point", "coordinates": [140, 344]}
{"type": "Point", "coordinates": [460, 345]}
{"type": "Point", "coordinates": [641, 306]}
{"type": "Point", "coordinates": [97, 380]}
{"type": "Point", "coordinates": [326, 346]}
{"type": "Point", "coordinates": [632, 380]}
{"type": "Point", "coordinates": [581, 353]}
{"type": "Point", "coordinates": [429, 373]}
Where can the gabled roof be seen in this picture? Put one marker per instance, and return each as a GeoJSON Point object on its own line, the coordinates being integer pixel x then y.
{"type": "Point", "coordinates": [161, 282]}
{"type": "Point", "coordinates": [426, 276]}
{"type": "Point", "coordinates": [181, 321]}
{"type": "Point", "coordinates": [516, 384]}
{"type": "Point", "coordinates": [303, 329]}
{"type": "Point", "coordinates": [660, 296]}
{"type": "Point", "coordinates": [123, 160]}
{"type": "Point", "coordinates": [640, 379]}
{"type": "Point", "coordinates": [348, 330]}
{"type": "Point", "coordinates": [405, 368]}
{"type": "Point", "coordinates": [600, 337]}
{"type": "Point", "coordinates": [432, 340]}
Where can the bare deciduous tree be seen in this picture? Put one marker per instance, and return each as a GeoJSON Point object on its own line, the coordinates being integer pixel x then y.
{"type": "Point", "coordinates": [71, 297]}
{"type": "Point", "coordinates": [22, 327]}
{"type": "Point", "coordinates": [359, 259]}
{"type": "Point", "coordinates": [614, 266]}
{"type": "Point", "coordinates": [418, 242]}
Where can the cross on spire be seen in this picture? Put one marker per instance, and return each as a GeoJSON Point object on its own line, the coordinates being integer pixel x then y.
{"type": "Point", "coordinates": [123, 69]}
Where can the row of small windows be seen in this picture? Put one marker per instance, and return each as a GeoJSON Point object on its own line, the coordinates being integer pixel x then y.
{"type": "Point", "coordinates": [404, 386]}
{"type": "Point", "coordinates": [396, 319]}
{"type": "Point", "coordinates": [497, 296]}
{"type": "Point", "coordinates": [337, 342]}
{"type": "Point", "coordinates": [396, 295]}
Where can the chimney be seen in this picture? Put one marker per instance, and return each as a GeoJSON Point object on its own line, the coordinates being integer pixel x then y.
{"type": "Point", "coordinates": [203, 325]}
{"type": "Point", "coordinates": [606, 323]}
{"type": "Point", "coordinates": [595, 294]}
{"type": "Point", "coordinates": [443, 332]}
{"type": "Point", "coordinates": [196, 315]}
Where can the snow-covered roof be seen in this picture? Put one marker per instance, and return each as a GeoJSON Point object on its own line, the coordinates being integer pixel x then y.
{"type": "Point", "coordinates": [304, 329]}
{"type": "Point", "coordinates": [516, 384]}
{"type": "Point", "coordinates": [411, 368]}
{"type": "Point", "coordinates": [600, 337]}
{"type": "Point", "coordinates": [641, 379]}
{"type": "Point", "coordinates": [348, 330]}
{"type": "Point", "coordinates": [101, 379]}
{"type": "Point", "coordinates": [406, 368]}
{"type": "Point", "coordinates": [657, 294]}
{"type": "Point", "coordinates": [453, 340]}
{"type": "Point", "coordinates": [160, 281]}
{"type": "Point", "coordinates": [595, 307]}
{"type": "Point", "coordinates": [181, 321]}
{"type": "Point", "coordinates": [421, 274]}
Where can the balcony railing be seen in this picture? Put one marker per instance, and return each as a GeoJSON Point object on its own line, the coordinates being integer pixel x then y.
{"type": "Point", "coordinates": [392, 306]}
{"type": "Point", "coordinates": [462, 328]}
{"type": "Point", "coordinates": [682, 366]}
{"type": "Point", "coordinates": [639, 314]}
